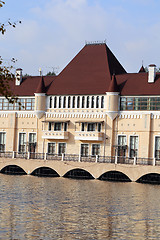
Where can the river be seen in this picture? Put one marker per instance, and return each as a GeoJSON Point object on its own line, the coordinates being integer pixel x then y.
{"type": "Point", "coordinates": [59, 208]}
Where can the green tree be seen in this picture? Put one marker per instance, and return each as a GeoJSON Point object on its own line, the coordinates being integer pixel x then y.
{"type": "Point", "coordinates": [51, 74]}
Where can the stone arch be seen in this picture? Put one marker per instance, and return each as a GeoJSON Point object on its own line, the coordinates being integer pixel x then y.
{"type": "Point", "coordinates": [44, 172]}
{"type": "Point", "coordinates": [13, 170]}
{"type": "Point", "coordinates": [78, 173]}
{"type": "Point", "coordinates": [115, 176]}
{"type": "Point", "coordinates": [153, 178]}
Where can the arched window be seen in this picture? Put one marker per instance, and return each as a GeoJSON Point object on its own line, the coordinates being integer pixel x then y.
{"type": "Point", "coordinates": [64, 102]}
{"type": "Point", "coordinates": [69, 102]}
{"type": "Point", "coordinates": [78, 101]}
{"type": "Point", "coordinates": [97, 102]}
{"type": "Point", "coordinates": [55, 102]}
{"type": "Point", "coordinates": [50, 102]}
{"type": "Point", "coordinates": [87, 105]}
{"type": "Point", "coordinates": [83, 99]}
{"type": "Point", "coordinates": [59, 105]}
{"type": "Point", "coordinates": [73, 102]}
{"type": "Point", "coordinates": [102, 102]}
{"type": "Point", "coordinates": [92, 102]}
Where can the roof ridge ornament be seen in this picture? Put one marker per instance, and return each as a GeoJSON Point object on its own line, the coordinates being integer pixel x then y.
{"type": "Point", "coordinates": [95, 42]}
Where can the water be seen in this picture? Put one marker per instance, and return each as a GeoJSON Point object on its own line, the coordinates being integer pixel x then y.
{"type": "Point", "coordinates": [59, 208]}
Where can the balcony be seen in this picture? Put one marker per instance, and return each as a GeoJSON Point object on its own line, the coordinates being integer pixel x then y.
{"type": "Point", "coordinates": [89, 136]}
{"type": "Point", "coordinates": [55, 135]}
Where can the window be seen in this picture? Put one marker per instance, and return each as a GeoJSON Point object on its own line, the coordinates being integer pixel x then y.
{"type": "Point", "coordinates": [60, 101]}
{"type": "Point", "coordinates": [22, 142]}
{"type": "Point", "coordinates": [51, 148]}
{"type": "Point", "coordinates": [61, 148]}
{"type": "Point", "coordinates": [55, 102]}
{"type": "Point", "coordinates": [82, 126]}
{"type": "Point", "coordinates": [84, 150]}
{"type": "Point", "coordinates": [83, 99]}
{"type": "Point", "coordinates": [92, 102]}
{"type": "Point", "coordinates": [64, 102]}
{"type": "Point", "coordinates": [91, 127]}
{"type": "Point", "coordinates": [32, 142]}
{"type": "Point", "coordinates": [99, 127]}
{"type": "Point", "coordinates": [97, 102]}
{"type": "Point", "coordinates": [133, 146]}
{"type": "Point", "coordinates": [50, 102]}
{"type": "Point", "coordinates": [73, 102]}
{"type": "Point", "coordinates": [20, 104]}
{"type": "Point", "coordinates": [2, 141]}
{"type": "Point", "coordinates": [102, 102]}
{"type": "Point", "coordinates": [95, 149]}
{"type": "Point", "coordinates": [87, 106]}
{"type": "Point", "coordinates": [57, 126]}
{"type": "Point", "coordinates": [78, 101]}
{"type": "Point", "coordinates": [157, 147]}
{"type": "Point", "coordinates": [69, 102]}
{"type": "Point", "coordinates": [121, 145]}
{"type": "Point", "coordinates": [49, 126]}
{"type": "Point", "coordinates": [65, 126]}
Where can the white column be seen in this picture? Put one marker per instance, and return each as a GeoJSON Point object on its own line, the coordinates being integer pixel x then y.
{"type": "Point", "coordinates": [116, 159]}
{"type": "Point", "coordinates": [79, 158]}
{"type": "Point", "coordinates": [135, 160]}
{"type": "Point", "coordinates": [154, 161]}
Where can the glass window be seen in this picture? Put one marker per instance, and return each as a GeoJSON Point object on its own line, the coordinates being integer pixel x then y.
{"type": "Point", "coordinates": [99, 127]}
{"type": "Point", "coordinates": [78, 101]}
{"type": "Point", "coordinates": [64, 102]}
{"type": "Point", "coordinates": [121, 145]}
{"type": "Point", "coordinates": [73, 102]}
{"type": "Point", "coordinates": [91, 127]}
{"type": "Point", "coordinates": [57, 126]}
{"type": "Point", "coordinates": [95, 149]}
{"type": "Point", "coordinates": [102, 102]}
{"type": "Point", "coordinates": [22, 142]}
{"type": "Point", "coordinates": [49, 126]}
{"type": "Point", "coordinates": [87, 106]}
{"type": "Point", "coordinates": [65, 126]}
{"type": "Point", "coordinates": [59, 105]}
{"type": "Point", "coordinates": [69, 102]}
{"type": "Point", "coordinates": [55, 102]}
{"type": "Point", "coordinates": [2, 141]}
{"type": "Point", "coordinates": [50, 102]}
{"type": "Point", "coordinates": [92, 102]}
{"type": "Point", "coordinates": [84, 150]}
{"type": "Point", "coordinates": [133, 146]}
{"type": "Point", "coordinates": [82, 126]}
{"type": "Point", "coordinates": [83, 100]}
{"type": "Point", "coordinates": [157, 147]}
{"type": "Point", "coordinates": [51, 148]}
{"type": "Point", "coordinates": [97, 102]}
{"type": "Point", "coordinates": [61, 148]}
{"type": "Point", "coordinates": [32, 142]}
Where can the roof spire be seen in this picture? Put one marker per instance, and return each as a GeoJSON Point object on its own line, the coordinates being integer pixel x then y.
{"type": "Point", "coordinates": [113, 87]}
{"type": "Point", "coordinates": [41, 86]}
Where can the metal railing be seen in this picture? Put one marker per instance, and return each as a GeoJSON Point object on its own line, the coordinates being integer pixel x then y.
{"type": "Point", "coordinates": [79, 158]}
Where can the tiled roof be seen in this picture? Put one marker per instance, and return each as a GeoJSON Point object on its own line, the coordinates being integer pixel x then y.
{"type": "Point", "coordinates": [88, 73]}
{"type": "Point", "coordinates": [41, 87]}
{"type": "Point", "coordinates": [142, 69]}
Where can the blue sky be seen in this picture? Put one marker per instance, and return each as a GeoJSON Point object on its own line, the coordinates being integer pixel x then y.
{"type": "Point", "coordinates": [54, 31]}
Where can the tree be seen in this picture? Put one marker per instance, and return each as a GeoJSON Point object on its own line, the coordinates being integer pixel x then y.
{"type": "Point", "coordinates": [51, 74]}
{"type": "Point", "coordinates": [6, 75]}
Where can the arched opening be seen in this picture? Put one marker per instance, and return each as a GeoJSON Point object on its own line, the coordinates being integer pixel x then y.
{"type": "Point", "coordinates": [78, 174]}
{"type": "Point", "coordinates": [115, 176]}
{"type": "Point", "coordinates": [153, 178]}
{"type": "Point", "coordinates": [45, 172]}
{"type": "Point", "coordinates": [13, 170]}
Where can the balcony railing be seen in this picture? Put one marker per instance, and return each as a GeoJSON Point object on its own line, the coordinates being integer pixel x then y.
{"type": "Point", "coordinates": [79, 158]}
{"type": "Point", "coordinates": [55, 135]}
{"type": "Point", "coordinates": [89, 136]}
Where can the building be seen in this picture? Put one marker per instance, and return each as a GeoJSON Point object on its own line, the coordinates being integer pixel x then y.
{"type": "Point", "coordinates": [92, 108]}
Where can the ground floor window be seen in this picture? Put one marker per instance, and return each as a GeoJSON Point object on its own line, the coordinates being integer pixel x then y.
{"type": "Point", "coordinates": [51, 148]}
{"type": "Point", "coordinates": [133, 146]}
{"type": "Point", "coordinates": [32, 142]}
{"type": "Point", "coordinates": [22, 142]}
{"type": "Point", "coordinates": [2, 141]}
{"type": "Point", "coordinates": [95, 149]}
{"type": "Point", "coordinates": [61, 148]}
{"type": "Point", "coordinates": [121, 145]}
{"type": "Point", "coordinates": [84, 150]}
{"type": "Point", "coordinates": [157, 147]}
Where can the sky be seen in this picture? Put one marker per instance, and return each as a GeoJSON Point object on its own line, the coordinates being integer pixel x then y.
{"type": "Point", "coordinates": [52, 32]}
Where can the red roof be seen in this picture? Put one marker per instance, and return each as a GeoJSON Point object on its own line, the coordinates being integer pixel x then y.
{"type": "Point", "coordinates": [88, 73]}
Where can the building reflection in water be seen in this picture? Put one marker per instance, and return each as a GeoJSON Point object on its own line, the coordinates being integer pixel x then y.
{"type": "Point", "coordinates": [57, 208]}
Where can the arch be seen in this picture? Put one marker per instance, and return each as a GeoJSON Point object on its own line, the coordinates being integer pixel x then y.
{"type": "Point", "coordinates": [45, 172]}
{"type": "Point", "coordinates": [115, 176]}
{"type": "Point", "coordinates": [78, 173]}
{"type": "Point", "coordinates": [13, 170]}
{"type": "Point", "coordinates": [153, 178]}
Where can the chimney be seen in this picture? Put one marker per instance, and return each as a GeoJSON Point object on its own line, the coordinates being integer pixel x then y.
{"type": "Point", "coordinates": [18, 76]}
{"type": "Point", "coordinates": [151, 73]}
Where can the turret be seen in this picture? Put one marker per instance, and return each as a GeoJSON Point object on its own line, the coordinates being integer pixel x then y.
{"type": "Point", "coordinates": [112, 99]}
{"type": "Point", "coordinates": [40, 99]}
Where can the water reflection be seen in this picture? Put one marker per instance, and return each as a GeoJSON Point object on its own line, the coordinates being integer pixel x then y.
{"type": "Point", "coordinates": [58, 208]}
